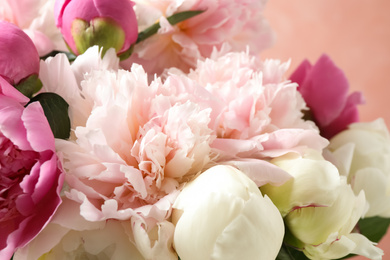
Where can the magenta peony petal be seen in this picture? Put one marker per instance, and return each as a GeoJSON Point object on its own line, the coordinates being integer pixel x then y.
{"type": "Point", "coordinates": [11, 126]}
{"type": "Point", "coordinates": [18, 55]}
{"type": "Point", "coordinates": [301, 72]}
{"type": "Point", "coordinates": [349, 115]}
{"type": "Point", "coordinates": [9, 91]}
{"type": "Point", "coordinates": [324, 88]}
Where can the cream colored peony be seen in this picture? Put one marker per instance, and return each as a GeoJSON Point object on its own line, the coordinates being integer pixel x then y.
{"type": "Point", "coordinates": [223, 215]}
{"type": "Point", "coordinates": [320, 209]}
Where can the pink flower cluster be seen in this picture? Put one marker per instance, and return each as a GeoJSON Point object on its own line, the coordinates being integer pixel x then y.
{"type": "Point", "coordinates": [141, 142]}
{"type": "Point", "coordinates": [192, 96]}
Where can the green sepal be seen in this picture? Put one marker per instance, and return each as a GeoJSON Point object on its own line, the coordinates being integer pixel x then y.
{"type": "Point", "coordinates": [29, 86]}
{"type": "Point", "coordinates": [101, 31]}
{"type": "Point", "coordinates": [374, 228]}
{"type": "Point", "coordinates": [125, 55]}
{"type": "Point", "coordinates": [56, 112]}
{"type": "Point", "coordinates": [173, 19]}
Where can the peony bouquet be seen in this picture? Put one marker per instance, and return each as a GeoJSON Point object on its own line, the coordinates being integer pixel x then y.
{"type": "Point", "coordinates": [152, 129]}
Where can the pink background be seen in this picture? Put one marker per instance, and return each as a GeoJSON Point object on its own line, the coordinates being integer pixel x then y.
{"type": "Point", "coordinates": [354, 33]}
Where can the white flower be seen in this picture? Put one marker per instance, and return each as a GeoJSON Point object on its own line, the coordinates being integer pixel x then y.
{"type": "Point", "coordinates": [315, 182]}
{"type": "Point", "coordinates": [224, 216]}
{"type": "Point", "coordinates": [326, 231]}
{"type": "Point", "coordinates": [320, 209]}
{"type": "Point", "coordinates": [363, 153]}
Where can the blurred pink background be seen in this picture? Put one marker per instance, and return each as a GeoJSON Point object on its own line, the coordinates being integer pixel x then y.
{"type": "Point", "coordinates": [354, 33]}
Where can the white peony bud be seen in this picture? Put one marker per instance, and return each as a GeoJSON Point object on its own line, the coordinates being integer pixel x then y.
{"type": "Point", "coordinates": [326, 231]}
{"type": "Point", "coordinates": [320, 209]}
{"type": "Point", "coordinates": [315, 182]}
{"type": "Point", "coordinates": [224, 216]}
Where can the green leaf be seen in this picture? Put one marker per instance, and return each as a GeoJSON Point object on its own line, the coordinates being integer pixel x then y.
{"type": "Point", "coordinates": [289, 253]}
{"type": "Point", "coordinates": [71, 57]}
{"type": "Point", "coordinates": [173, 19]}
{"type": "Point", "coordinates": [374, 228]}
{"type": "Point", "coordinates": [29, 86]}
{"type": "Point", "coordinates": [56, 112]}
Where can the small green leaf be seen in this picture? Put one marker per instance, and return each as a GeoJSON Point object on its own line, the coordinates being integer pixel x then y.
{"type": "Point", "coordinates": [29, 86]}
{"type": "Point", "coordinates": [289, 253]}
{"type": "Point", "coordinates": [173, 19]}
{"type": "Point", "coordinates": [69, 55]}
{"type": "Point", "coordinates": [374, 228]}
{"type": "Point", "coordinates": [179, 17]}
{"type": "Point", "coordinates": [56, 112]}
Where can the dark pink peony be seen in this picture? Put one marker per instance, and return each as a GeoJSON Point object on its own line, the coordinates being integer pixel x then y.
{"type": "Point", "coordinates": [19, 58]}
{"type": "Point", "coordinates": [324, 88]}
{"type": "Point", "coordinates": [30, 174]}
{"type": "Point", "coordinates": [84, 23]}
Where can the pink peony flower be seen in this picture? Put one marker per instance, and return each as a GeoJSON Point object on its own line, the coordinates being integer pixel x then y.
{"type": "Point", "coordinates": [257, 115]}
{"type": "Point", "coordinates": [239, 23]}
{"type": "Point", "coordinates": [36, 18]}
{"type": "Point", "coordinates": [19, 57]}
{"type": "Point", "coordinates": [147, 148]}
{"type": "Point", "coordinates": [30, 174]}
{"type": "Point", "coordinates": [133, 151]}
{"type": "Point", "coordinates": [325, 90]}
{"type": "Point", "coordinates": [85, 23]}
{"type": "Point", "coordinates": [9, 91]}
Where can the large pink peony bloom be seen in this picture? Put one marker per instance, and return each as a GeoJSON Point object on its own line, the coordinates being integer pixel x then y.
{"type": "Point", "coordinates": [36, 18]}
{"type": "Point", "coordinates": [325, 90]}
{"type": "Point", "coordinates": [256, 113]}
{"type": "Point", "coordinates": [30, 175]}
{"type": "Point", "coordinates": [133, 150]}
{"type": "Point", "coordinates": [239, 23]}
{"type": "Point", "coordinates": [136, 148]}
{"type": "Point", "coordinates": [96, 15]}
{"type": "Point", "coordinates": [18, 56]}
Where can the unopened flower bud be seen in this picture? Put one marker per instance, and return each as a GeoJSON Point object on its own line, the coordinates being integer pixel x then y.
{"type": "Point", "coordinates": [85, 23]}
{"type": "Point", "coordinates": [19, 58]}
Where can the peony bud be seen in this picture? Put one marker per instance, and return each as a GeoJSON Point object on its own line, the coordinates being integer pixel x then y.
{"type": "Point", "coordinates": [222, 215]}
{"type": "Point", "coordinates": [315, 182]}
{"type": "Point", "coordinates": [326, 231]}
{"type": "Point", "coordinates": [320, 210]}
{"type": "Point", "coordinates": [19, 58]}
{"type": "Point", "coordinates": [85, 23]}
